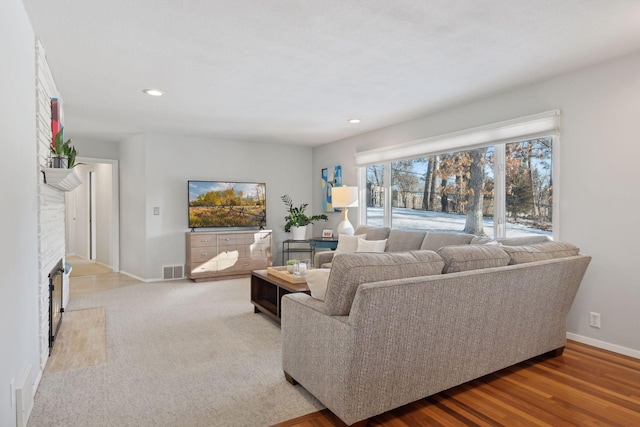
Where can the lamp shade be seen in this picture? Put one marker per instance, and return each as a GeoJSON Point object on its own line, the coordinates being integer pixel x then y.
{"type": "Point", "coordinates": [344, 197]}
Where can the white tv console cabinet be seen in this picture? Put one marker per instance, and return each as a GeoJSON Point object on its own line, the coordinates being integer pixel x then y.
{"type": "Point", "coordinates": [213, 255]}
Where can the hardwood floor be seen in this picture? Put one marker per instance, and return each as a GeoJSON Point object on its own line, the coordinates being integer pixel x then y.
{"type": "Point", "coordinates": [586, 386]}
{"type": "Point", "coordinates": [88, 277]}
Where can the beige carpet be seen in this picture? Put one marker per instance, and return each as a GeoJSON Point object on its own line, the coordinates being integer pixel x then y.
{"type": "Point", "coordinates": [81, 341]}
{"type": "Point", "coordinates": [178, 354]}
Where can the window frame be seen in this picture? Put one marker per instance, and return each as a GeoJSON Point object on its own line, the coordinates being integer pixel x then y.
{"type": "Point", "coordinates": [496, 135]}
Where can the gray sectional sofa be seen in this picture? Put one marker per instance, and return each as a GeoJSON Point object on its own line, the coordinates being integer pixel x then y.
{"type": "Point", "coordinates": [404, 240]}
{"type": "Point", "coordinates": [398, 326]}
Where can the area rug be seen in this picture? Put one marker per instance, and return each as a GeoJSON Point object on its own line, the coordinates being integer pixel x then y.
{"type": "Point", "coordinates": [81, 341]}
{"type": "Point", "coordinates": [178, 354]}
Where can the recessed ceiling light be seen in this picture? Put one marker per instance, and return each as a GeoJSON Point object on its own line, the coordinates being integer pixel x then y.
{"type": "Point", "coordinates": [153, 92]}
{"type": "Point", "coordinates": [354, 121]}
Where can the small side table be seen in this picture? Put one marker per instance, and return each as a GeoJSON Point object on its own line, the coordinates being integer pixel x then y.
{"type": "Point", "coordinates": [299, 246]}
{"type": "Point", "coordinates": [321, 242]}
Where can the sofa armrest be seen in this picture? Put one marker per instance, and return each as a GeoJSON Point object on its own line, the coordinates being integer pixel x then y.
{"type": "Point", "coordinates": [322, 257]}
{"type": "Point", "coordinates": [309, 302]}
{"type": "Point", "coordinates": [317, 349]}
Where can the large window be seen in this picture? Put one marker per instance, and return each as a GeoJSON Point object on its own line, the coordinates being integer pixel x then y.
{"type": "Point", "coordinates": [375, 195]}
{"type": "Point", "coordinates": [497, 190]}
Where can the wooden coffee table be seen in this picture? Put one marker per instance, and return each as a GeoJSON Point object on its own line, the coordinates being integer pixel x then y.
{"type": "Point", "coordinates": [267, 291]}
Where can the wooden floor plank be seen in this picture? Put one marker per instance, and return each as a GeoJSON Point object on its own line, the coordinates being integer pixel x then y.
{"type": "Point", "coordinates": [585, 386]}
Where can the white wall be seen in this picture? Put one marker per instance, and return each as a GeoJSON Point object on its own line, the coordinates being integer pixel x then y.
{"type": "Point", "coordinates": [132, 207]}
{"type": "Point", "coordinates": [97, 150]}
{"type": "Point", "coordinates": [154, 173]}
{"type": "Point", "coordinates": [598, 199]}
{"type": "Point", "coordinates": [18, 218]}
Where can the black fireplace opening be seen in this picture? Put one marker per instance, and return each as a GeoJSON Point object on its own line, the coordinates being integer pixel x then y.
{"type": "Point", "coordinates": [55, 302]}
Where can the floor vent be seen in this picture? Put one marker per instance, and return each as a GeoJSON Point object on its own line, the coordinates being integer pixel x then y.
{"type": "Point", "coordinates": [172, 272]}
{"type": "Point", "coordinates": [24, 398]}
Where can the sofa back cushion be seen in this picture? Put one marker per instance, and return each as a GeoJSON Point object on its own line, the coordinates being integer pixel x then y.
{"type": "Point", "coordinates": [483, 240]}
{"type": "Point", "coordinates": [348, 271]}
{"type": "Point", "coordinates": [434, 240]}
{"type": "Point", "coordinates": [540, 252]}
{"type": "Point", "coordinates": [523, 240]}
{"type": "Point", "coordinates": [373, 233]}
{"type": "Point", "coordinates": [404, 240]}
{"type": "Point", "coordinates": [472, 257]}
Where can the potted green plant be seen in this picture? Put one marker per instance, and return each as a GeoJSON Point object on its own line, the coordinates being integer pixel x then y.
{"type": "Point", "coordinates": [63, 154]}
{"type": "Point", "coordinates": [297, 220]}
{"type": "Point", "coordinates": [290, 264]}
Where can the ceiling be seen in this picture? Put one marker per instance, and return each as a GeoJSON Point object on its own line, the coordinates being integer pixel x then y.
{"type": "Point", "coordinates": [296, 71]}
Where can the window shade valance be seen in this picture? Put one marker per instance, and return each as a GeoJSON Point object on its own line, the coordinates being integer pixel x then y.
{"type": "Point", "coordinates": [519, 129]}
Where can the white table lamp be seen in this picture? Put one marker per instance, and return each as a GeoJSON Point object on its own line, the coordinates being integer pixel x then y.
{"type": "Point", "coordinates": [344, 197]}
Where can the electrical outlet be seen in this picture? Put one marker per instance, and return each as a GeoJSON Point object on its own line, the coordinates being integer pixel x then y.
{"type": "Point", "coordinates": [156, 210]}
{"type": "Point", "coordinates": [594, 319]}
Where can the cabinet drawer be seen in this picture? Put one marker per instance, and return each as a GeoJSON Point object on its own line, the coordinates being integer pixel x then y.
{"type": "Point", "coordinates": [233, 251]}
{"type": "Point", "coordinates": [260, 250]}
{"type": "Point", "coordinates": [242, 265]}
{"type": "Point", "coordinates": [202, 269]}
{"type": "Point", "coordinates": [227, 239]}
{"type": "Point", "coordinates": [262, 237]}
{"type": "Point", "coordinates": [232, 254]}
{"type": "Point", "coordinates": [200, 240]}
{"type": "Point", "coordinates": [203, 254]}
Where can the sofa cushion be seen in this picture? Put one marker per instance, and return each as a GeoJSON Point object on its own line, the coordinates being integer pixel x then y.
{"type": "Point", "coordinates": [472, 257]}
{"type": "Point", "coordinates": [434, 240]}
{"type": "Point", "coordinates": [540, 251]}
{"type": "Point", "coordinates": [348, 271]}
{"type": "Point", "coordinates": [373, 233]}
{"type": "Point", "coordinates": [483, 240]}
{"type": "Point", "coordinates": [523, 240]}
{"type": "Point", "coordinates": [371, 245]}
{"type": "Point", "coordinates": [317, 279]}
{"type": "Point", "coordinates": [405, 240]}
{"type": "Point", "coordinates": [348, 244]}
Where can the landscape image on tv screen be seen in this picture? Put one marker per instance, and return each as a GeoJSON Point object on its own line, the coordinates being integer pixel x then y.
{"type": "Point", "coordinates": [227, 204]}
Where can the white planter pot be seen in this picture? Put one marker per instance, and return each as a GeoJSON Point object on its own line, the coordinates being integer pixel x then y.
{"type": "Point", "coordinates": [299, 233]}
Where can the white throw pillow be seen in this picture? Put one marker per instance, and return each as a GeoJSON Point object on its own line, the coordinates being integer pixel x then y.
{"type": "Point", "coordinates": [317, 279]}
{"type": "Point", "coordinates": [371, 245]}
{"type": "Point", "coordinates": [348, 244]}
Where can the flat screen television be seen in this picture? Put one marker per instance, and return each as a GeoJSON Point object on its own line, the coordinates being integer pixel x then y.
{"type": "Point", "coordinates": [215, 204]}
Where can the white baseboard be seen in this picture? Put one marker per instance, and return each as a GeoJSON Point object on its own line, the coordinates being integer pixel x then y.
{"type": "Point", "coordinates": [36, 383]}
{"type": "Point", "coordinates": [604, 345]}
{"type": "Point", "coordinates": [133, 276]}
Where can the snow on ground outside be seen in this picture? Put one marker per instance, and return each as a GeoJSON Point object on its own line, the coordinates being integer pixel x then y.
{"type": "Point", "coordinates": [410, 219]}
